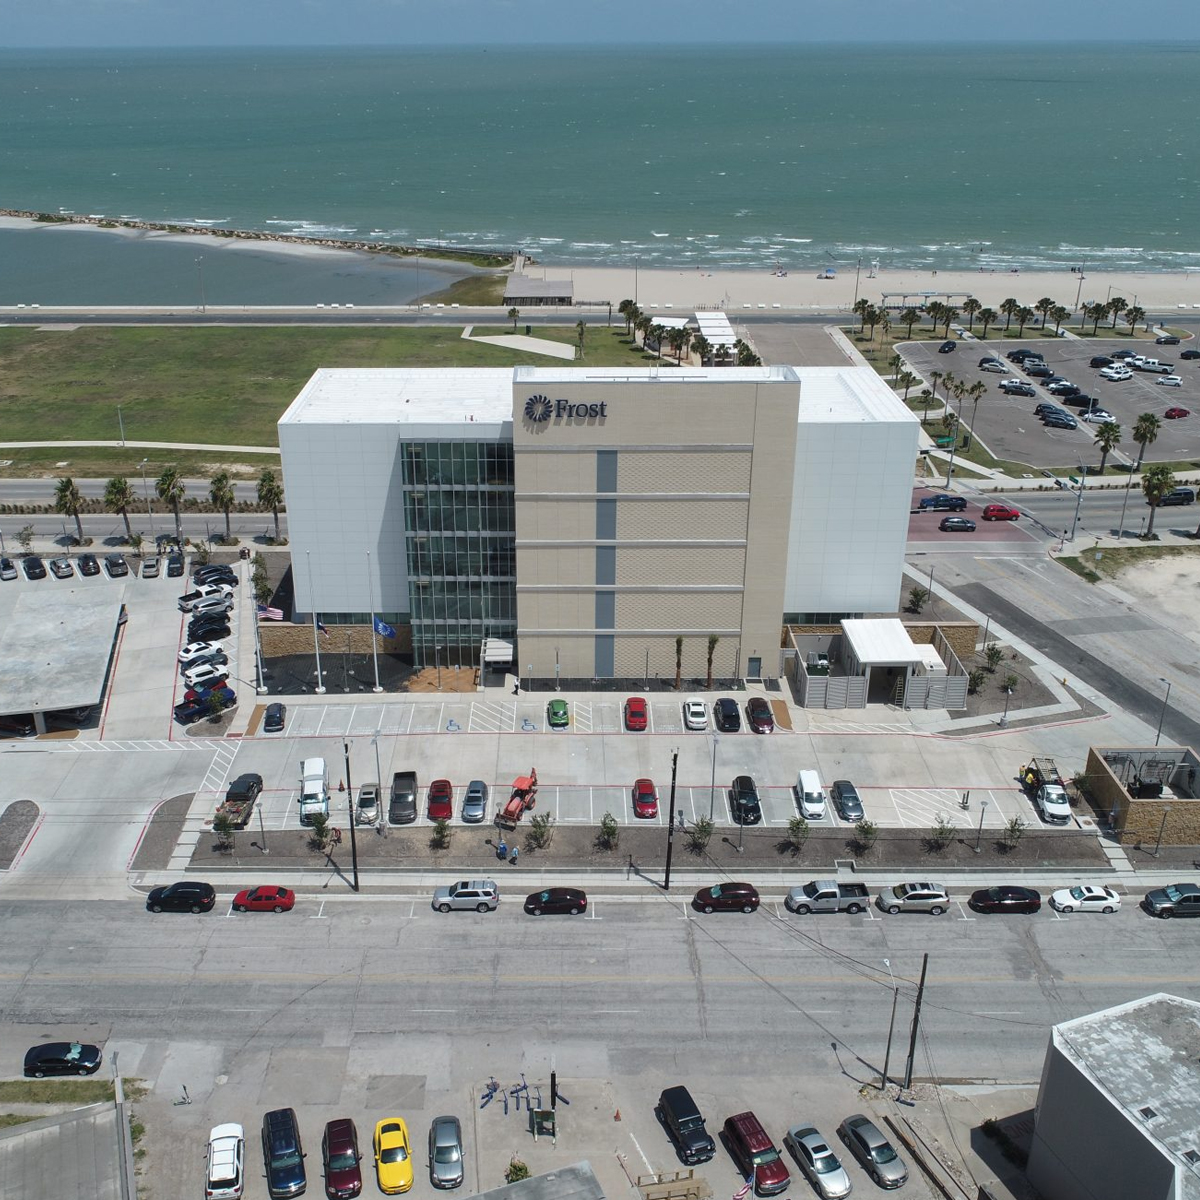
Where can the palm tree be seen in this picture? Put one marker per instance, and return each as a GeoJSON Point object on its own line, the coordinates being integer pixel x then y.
{"type": "Point", "coordinates": [1144, 433]}
{"type": "Point", "coordinates": [910, 317]}
{"type": "Point", "coordinates": [934, 311]}
{"type": "Point", "coordinates": [722, 355]}
{"type": "Point", "coordinates": [926, 396]}
{"type": "Point", "coordinates": [1058, 314]}
{"type": "Point", "coordinates": [1108, 436]}
{"type": "Point", "coordinates": [270, 495]}
{"type": "Point", "coordinates": [871, 318]}
{"type": "Point", "coordinates": [860, 310]}
{"type": "Point", "coordinates": [712, 647]}
{"type": "Point", "coordinates": [949, 314]}
{"type": "Point", "coordinates": [580, 332]}
{"type": "Point", "coordinates": [170, 488]}
{"type": "Point", "coordinates": [513, 314]}
{"type": "Point", "coordinates": [658, 332]}
{"type": "Point", "coordinates": [702, 346]}
{"type": "Point", "coordinates": [906, 380]}
{"type": "Point", "coordinates": [1043, 306]}
{"type": "Point", "coordinates": [987, 317]}
{"type": "Point", "coordinates": [935, 377]}
{"type": "Point", "coordinates": [885, 324]}
{"type": "Point", "coordinates": [69, 502]}
{"type": "Point", "coordinates": [1096, 313]}
{"type": "Point", "coordinates": [642, 325]}
{"type": "Point", "coordinates": [678, 339]}
{"type": "Point", "coordinates": [971, 306]}
{"type": "Point", "coordinates": [678, 663]}
{"type": "Point", "coordinates": [1133, 316]}
{"type": "Point", "coordinates": [1156, 483]}
{"type": "Point", "coordinates": [220, 492]}
{"type": "Point", "coordinates": [1117, 305]}
{"type": "Point", "coordinates": [623, 308]}
{"type": "Point", "coordinates": [118, 496]}
{"type": "Point", "coordinates": [976, 391]}
{"type": "Point", "coordinates": [1009, 307]}
{"type": "Point", "coordinates": [1023, 314]}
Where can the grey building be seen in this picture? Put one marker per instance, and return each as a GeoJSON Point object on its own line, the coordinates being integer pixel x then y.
{"type": "Point", "coordinates": [1118, 1111]}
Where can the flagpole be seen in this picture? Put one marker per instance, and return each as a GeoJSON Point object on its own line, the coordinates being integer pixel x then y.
{"type": "Point", "coordinates": [262, 687]}
{"type": "Point", "coordinates": [320, 688]}
{"type": "Point", "coordinates": [374, 636]}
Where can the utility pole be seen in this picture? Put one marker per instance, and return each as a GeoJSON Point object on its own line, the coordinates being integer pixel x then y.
{"type": "Point", "coordinates": [887, 1054]}
{"type": "Point", "coordinates": [916, 1021]}
{"type": "Point", "coordinates": [671, 822]}
{"type": "Point", "coordinates": [350, 806]}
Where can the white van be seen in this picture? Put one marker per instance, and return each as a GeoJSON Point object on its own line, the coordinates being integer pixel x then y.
{"type": "Point", "coordinates": [314, 790]}
{"type": "Point", "coordinates": [810, 796]}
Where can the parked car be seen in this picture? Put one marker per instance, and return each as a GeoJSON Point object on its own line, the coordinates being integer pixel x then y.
{"type": "Point", "coordinates": [684, 1123]}
{"type": "Point", "coordinates": [174, 566]}
{"type": "Point", "coordinates": [558, 716]}
{"type": "Point", "coordinates": [189, 895]}
{"type": "Point", "coordinates": [744, 801]}
{"type": "Point", "coordinates": [1017, 389]}
{"type": "Point", "coordinates": [914, 897]}
{"type": "Point", "coordinates": [480, 895]}
{"type": "Point", "coordinates": [956, 525]}
{"type": "Point", "coordinates": [211, 674]}
{"type": "Point", "coordinates": [876, 1155]}
{"type": "Point", "coordinates": [1060, 421]}
{"type": "Point", "coordinates": [366, 808]}
{"type": "Point", "coordinates": [1021, 355]}
{"type": "Point", "coordinates": [695, 713]}
{"type": "Point", "coordinates": [993, 365]}
{"type": "Point", "coordinates": [1062, 387]}
{"type": "Point", "coordinates": [1174, 900]}
{"type": "Point", "coordinates": [116, 566]}
{"type": "Point", "coordinates": [445, 1152]}
{"type": "Point", "coordinates": [8, 569]}
{"type": "Point", "coordinates": [1101, 360]}
{"type": "Point", "coordinates": [942, 502]}
{"type": "Point", "coordinates": [1006, 898]}
{"type": "Point", "coordinates": [274, 718]}
{"type": "Point", "coordinates": [1179, 495]}
{"type": "Point", "coordinates": [636, 716]}
{"type": "Point", "coordinates": [727, 717]}
{"type": "Point", "coordinates": [283, 1154]}
{"type": "Point", "coordinates": [1175, 414]}
{"type": "Point", "coordinates": [1037, 370]}
{"type": "Point", "coordinates": [33, 567]}
{"type": "Point", "coordinates": [948, 347]}
{"type": "Point", "coordinates": [440, 800]}
{"type": "Point", "coordinates": [727, 897]}
{"type": "Point", "coordinates": [62, 1058]}
{"type": "Point", "coordinates": [1116, 374]}
{"type": "Point", "coordinates": [556, 900]}
{"type": "Point", "coordinates": [810, 797]}
{"type": "Point", "coordinates": [265, 898]}
{"type": "Point", "coordinates": [1190, 354]}
{"type": "Point", "coordinates": [393, 1156]}
{"type": "Point", "coordinates": [759, 716]}
{"type": "Point", "coordinates": [215, 573]}
{"type": "Point", "coordinates": [224, 1177]}
{"type": "Point", "coordinates": [1096, 416]}
{"type": "Point", "coordinates": [846, 800]}
{"type": "Point", "coordinates": [820, 1165]}
{"type": "Point", "coordinates": [61, 568]}
{"type": "Point", "coordinates": [194, 650]}
{"type": "Point", "coordinates": [88, 565]}
{"type": "Point", "coordinates": [1169, 381]}
{"type": "Point", "coordinates": [1166, 339]}
{"type": "Point", "coordinates": [754, 1153]}
{"type": "Point", "coordinates": [340, 1158]}
{"type": "Point", "coordinates": [190, 711]}
{"type": "Point", "coordinates": [1086, 897]}
{"type": "Point", "coordinates": [1000, 512]}
{"type": "Point", "coordinates": [1121, 355]}
{"type": "Point", "coordinates": [645, 799]}
{"type": "Point", "coordinates": [20, 724]}
{"type": "Point", "coordinates": [1046, 408]}
{"type": "Point", "coordinates": [211, 628]}
{"type": "Point", "coordinates": [150, 568]}
{"type": "Point", "coordinates": [475, 801]}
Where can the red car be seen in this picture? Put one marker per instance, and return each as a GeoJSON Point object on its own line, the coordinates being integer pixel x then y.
{"type": "Point", "coordinates": [759, 712]}
{"type": "Point", "coordinates": [441, 800]}
{"type": "Point", "coordinates": [1173, 414]}
{"type": "Point", "coordinates": [1000, 512]}
{"type": "Point", "coordinates": [195, 693]}
{"type": "Point", "coordinates": [268, 898]}
{"type": "Point", "coordinates": [727, 897]}
{"type": "Point", "coordinates": [645, 799]}
{"type": "Point", "coordinates": [339, 1150]}
{"type": "Point", "coordinates": [635, 713]}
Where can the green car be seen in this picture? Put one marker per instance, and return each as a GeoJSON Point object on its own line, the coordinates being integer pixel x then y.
{"type": "Point", "coordinates": [557, 716]}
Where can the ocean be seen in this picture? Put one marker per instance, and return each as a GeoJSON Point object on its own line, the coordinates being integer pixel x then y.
{"type": "Point", "coordinates": [1034, 157]}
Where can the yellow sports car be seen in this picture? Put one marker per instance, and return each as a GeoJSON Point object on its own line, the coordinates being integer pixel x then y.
{"type": "Point", "coordinates": [393, 1156]}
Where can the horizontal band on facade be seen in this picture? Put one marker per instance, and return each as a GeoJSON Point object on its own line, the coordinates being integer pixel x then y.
{"type": "Point", "coordinates": [631, 543]}
{"type": "Point", "coordinates": [560, 497]}
{"type": "Point", "coordinates": [628, 588]}
{"type": "Point", "coordinates": [625, 633]}
{"type": "Point", "coordinates": [642, 448]}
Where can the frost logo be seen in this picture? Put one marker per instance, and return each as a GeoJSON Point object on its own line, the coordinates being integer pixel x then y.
{"type": "Point", "coordinates": [538, 409]}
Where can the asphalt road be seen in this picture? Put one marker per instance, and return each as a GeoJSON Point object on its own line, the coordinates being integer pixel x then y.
{"type": "Point", "coordinates": [41, 491]}
{"type": "Point", "coordinates": [107, 530]}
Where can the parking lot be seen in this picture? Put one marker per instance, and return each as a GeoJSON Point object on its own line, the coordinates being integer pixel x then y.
{"type": "Point", "coordinates": [1012, 431]}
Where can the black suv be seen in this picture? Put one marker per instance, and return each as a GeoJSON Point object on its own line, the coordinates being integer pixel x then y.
{"type": "Point", "coordinates": [685, 1124]}
{"type": "Point", "coordinates": [88, 565]}
{"type": "Point", "coordinates": [1101, 360]}
{"type": "Point", "coordinates": [174, 566]}
{"type": "Point", "coordinates": [743, 798]}
{"type": "Point", "coordinates": [1017, 389]}
{"type": "Point", "coordinates": [726, 716]}
{"type": "Point", "coordinates": [117, 566]}
{"type": "Point", "coordinates": [33, 567]}
{"type": "Point", "coordinates": [186, 896]}
{"type": "Point", "coordinates": [1019, 356]}
{"type": "Point", "coordinates": [283, 1155]}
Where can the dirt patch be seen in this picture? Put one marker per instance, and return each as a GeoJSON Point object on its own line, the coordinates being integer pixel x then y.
{"type": "Point", "coordinates": [162, 834]}
{"type": "Point", "coordinates": [782, 715]}
{"type": "Point", "coordinates": [16, 823]}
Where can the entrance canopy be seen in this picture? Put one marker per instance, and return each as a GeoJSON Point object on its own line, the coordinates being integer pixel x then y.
{"type": "Point", "coordinates": [497, 652]}
{"type": "Point", "coordinates": [881, 643]}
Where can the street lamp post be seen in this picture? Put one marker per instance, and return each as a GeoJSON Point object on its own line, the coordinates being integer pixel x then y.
{"type": "Point", "coordinates": [671, 822]}
{"type": "Point", "coordinates": [712, 800]}
{"type": "Point", "coordinates": [1004, 718]}
{"type": "Point", "coordinates": [350, 816]}
{"type": "Point", "coordinates": [979, 835]}
{"type": "Point", "coordinates": [1162, 715]}
{"type": "Point", "coordinates": [1078, 499]}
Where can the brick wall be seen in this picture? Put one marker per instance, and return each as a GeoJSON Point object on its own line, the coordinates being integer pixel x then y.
{"type": "Point", "coordinates": [1137, 821]}
{"type": "Point", "coordinates": [280, 639]}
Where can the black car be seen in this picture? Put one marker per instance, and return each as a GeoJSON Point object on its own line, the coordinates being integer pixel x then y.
{"type": "Point", "coordinates": [1190, 354]}
{"type": "Point", "coordinates": [1063, 389]}
{"type": "Point", "coordinates": [33, 567]}
{"type": "Point", "coordinates": [174, 566]}
{"type": "Point", "coordinates": [1045, 408]}
{"type": "Point", "coordinates": [1006, 899]}
{"type": "Point", "coordinates": [21, 725]}
{"type": "Point", "coordinates": [207, 631]}
{"type": "Point", "coordinates": [116, 565]}
{"type": "Point", "coordinates": [1017, 389]}
{"type": "Point", "coordinates": [556, 900]}
{"type": "Point", "coordinates": [1019, 356]}
{"type": "Point", "coordinates": [1119, 355]}
{"type": "Point", "coordinates": [1101, 360]}
{"type": "Point", "coordinates": [726, 715]}
{"type": "Point", "coordinates": [62, 1058]}
{"type": "Point", "coordinates": [744, 801]}
{"type": "Point", "coordinates": [88, 565]}
{"type": "Point", "coordinates": [1038, 370]}
{"type": "Point", "coordinates": [274, 718]}
{"type": "Point", "coordinates": [245, 787]}
{"type": "Point", "coordinates": [948, 347]}
{"type": "Point", "coordinates": [1083, 400]}
{"type": "Point", "coordinates": [846, 800]}
{"type": "Point", "coordinates": [1167, 339]}
{"type": "Point", "coordinates": [203, 575]}
{"type": "Point", "coordinates": [1060, 421]}
{"type": "Point", "coordinates": [186, 896]}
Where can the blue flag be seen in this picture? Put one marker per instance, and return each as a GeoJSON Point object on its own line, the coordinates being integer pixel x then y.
{"type": "Point", "coordinates": [384, 629]}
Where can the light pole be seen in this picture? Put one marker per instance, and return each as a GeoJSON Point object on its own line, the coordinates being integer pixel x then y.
{"type": "Point", "coordinates": [1078, 499]}
{"type": "Point", "coordinates": [1004, 718]}
{"type": "Point", "coordinates": [979, 835]}
{"type": "Point", "coordinates": [1125, 502]}
{"type": "Point", "coordinates": [887, 1054]}
{"type": "Point", "coordinates": [1162, 714]}
{"type": "Point", "coordinates": [350, 816]}
{"type": "Point", "coordinates": [857, 272]}
{"type": "Point", "coordinates": [635, 277]}
{"type": "Point", "coordinates": [712, 799]}
{"type": "Point", "coordinates": [1161, 826]}
{"type": "Point", "coordinates": [671, 822]}
{"type": "Point", "coordinates": [146, 493]}
{"type": "Point", "coordinates": [1079, 290]}
{"type": "Point", "coordinates": [437, 657]}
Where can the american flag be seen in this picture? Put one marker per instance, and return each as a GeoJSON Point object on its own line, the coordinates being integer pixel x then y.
{"type": "Point", "coordinates": [323, 629]}
{"type": "Point", "coordinates": [266, 613]}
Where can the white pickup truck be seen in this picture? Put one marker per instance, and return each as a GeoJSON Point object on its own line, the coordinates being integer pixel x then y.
{"type": "Point", "coordinates": [827, 895]}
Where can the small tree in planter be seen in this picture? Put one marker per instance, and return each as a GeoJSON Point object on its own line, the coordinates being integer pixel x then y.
{"type": "Point", "coordinates": [610, 832]}
{"type": "Point", "coordinates": [1009, 683]}
{"type": "Point", "coordinates": [797, 834]}
{"type": "Point", "coordinates": [25, 538]}
{"type": "Point", "coordinates": [440, 840]}
{"type": "Point", "coordinates": [224, 829]}
{"type": "Point", "coordinates": [216, 707]}
{"type": "Point", "coordinates": [700, 834]}
{"type": "Point", "coordinates": [994, 654]}
{"type": "Point", "coordinates": [541, 831]}
{"type": "Point", "coordinates": [975, 679]}
{"type": "Point", "coordinates": [517, 1170]}
{"type": "Point", "coordinates": [320, 831]}
{"type": "Point", "coordinates": [1014, 831]}
{"type": "Point", "coordinates": [941, 835]}
{"type": "Point", "coordinates": [866, 834]}
{"type": "Point", "coordinates": [916, 599]}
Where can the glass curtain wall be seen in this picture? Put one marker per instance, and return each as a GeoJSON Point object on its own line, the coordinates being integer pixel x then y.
{"type": "Point", "coordinates": [460, 522]}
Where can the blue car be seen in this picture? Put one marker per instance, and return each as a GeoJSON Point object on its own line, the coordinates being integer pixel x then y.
{"type": "Point", "coordinates": [943, 503]}
{"type": "Point", "coordinates": [190, 711]}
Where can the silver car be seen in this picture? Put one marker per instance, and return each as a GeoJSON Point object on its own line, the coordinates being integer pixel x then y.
{"type": "Point", "coordinates": [366, 812]}
{"type": "Point", "coordinates": [875, 1153]}
{"type": "Point", "coordinates": [818, 1162]}
{"type": "Point", "coordinates": [480, 894]}
{"type": "Point", "coordinates": [475, 800]}
{"type": "Point", "coordinates": [914, 897]}
{"type": "Point", "coordinates": [445, 1153]}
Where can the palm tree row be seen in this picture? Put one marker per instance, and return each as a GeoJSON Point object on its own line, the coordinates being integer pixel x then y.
{"type": "Point", "coordinates": [681, 340]}
{"type": "Point", "coordinates": [1051, 312]}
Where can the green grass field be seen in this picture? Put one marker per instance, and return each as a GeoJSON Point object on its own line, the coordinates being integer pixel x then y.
{"type": "Point", "coordinates": [215, 386]}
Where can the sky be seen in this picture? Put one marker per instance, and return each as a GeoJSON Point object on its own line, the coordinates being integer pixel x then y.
{"type": "Point", "coordinates": [86, 23]}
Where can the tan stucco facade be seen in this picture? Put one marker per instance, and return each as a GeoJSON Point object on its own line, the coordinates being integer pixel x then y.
{"type": "Point", "coordinates": [649, 508]}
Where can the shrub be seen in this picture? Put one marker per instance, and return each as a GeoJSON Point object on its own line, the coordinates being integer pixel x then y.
{"type": "Point", "coordinates": [916, 599]}
{"type": "Point", "coordinates": [866, 834]}
{"type": "Point", "coordinates": [610, 831]}
{"type": "Point", "coordinates": [223, 828]}
{"type": "Point", "coordinates": [797, 834]}
{"type": "Point", "coordinates": [975, 679]}
{"type": "Point", "coordinates": [941, 835]}
{"type": "Point", "coordinates": [1014, 831]}
{"type": "Point", "coordinates": [994, 654]}
{"type": "Point", "coordinates": [1009, 683]}
{"type": "Point", "coordinates": [440, 840]}
{"type": "Point", "coordinates": [541, 832]}
{"type": "Point", "coordinates": [699, 834]}
{"type": "Point", "coordinates": [517, 1170]}
{"type": "Point", "coordinates": [320, 831]}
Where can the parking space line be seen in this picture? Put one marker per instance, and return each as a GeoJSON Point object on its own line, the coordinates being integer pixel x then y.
{"type": "Point", "coordinates": [319, 915]}
{"type": "Point", "coordinates": [963, 911]}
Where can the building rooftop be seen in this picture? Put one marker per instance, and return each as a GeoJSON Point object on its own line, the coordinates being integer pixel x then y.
{"type": "Point", "coordinates": [1145, 1055]}
{"type": "Point", "coordinates": [842, 394]}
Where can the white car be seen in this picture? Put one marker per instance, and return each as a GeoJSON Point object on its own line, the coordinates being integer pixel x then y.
{"type": "Point", "coordinates": [1096, 415]}
{"type": "Point", "coordinates": [204, 674]}
{"type": "Point", "coordinates": [194, 650]}
{"type": "Point", "coordinates": [1012, 381]}
{"type": "Point", "coordinates": [1169, 381]}
{"type": "Point", "coordinates": [818, 1162]}
{"type": "Point", "coordinates": [695, 713]}
{"type": "Point", "coordinates": [1085, 897]}
{"type": "Point", "coordinates": [224, 1178]}
{"type": "Point", "coordinates": [1115, 373]}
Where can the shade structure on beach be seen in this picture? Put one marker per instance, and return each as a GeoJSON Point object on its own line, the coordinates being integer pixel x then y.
{"type": "Point", "coordinates": [716, 328]}
{"type": "Point", "coordinates": [524, 289]}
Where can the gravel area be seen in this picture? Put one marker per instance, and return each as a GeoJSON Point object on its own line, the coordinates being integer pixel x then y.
{"type": "Point", "coordinates": [16, 822]}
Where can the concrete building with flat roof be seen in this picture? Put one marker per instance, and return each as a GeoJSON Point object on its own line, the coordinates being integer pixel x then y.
{"type": "Point", "coordinates": [591, 516]}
